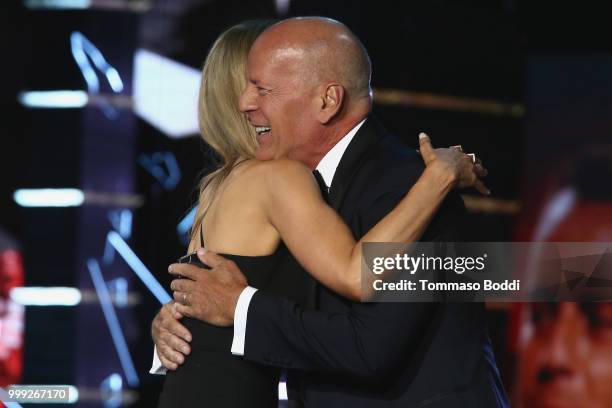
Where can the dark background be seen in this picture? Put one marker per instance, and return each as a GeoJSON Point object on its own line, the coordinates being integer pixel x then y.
{"type": "Point", "coordinates": [501, 51]}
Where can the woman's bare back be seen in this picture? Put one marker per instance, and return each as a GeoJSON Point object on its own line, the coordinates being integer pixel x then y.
{"type": "Point", "coordinates": [236, 222]}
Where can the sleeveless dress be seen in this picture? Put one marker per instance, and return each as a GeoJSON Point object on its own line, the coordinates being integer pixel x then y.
{"type": "Point", "coordinates": [211, 376]}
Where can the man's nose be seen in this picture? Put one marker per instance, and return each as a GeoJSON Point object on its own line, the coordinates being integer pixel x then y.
{"type": "Point", "coordinates": [563, 351]}
{"type": "Point", "coordinates": [246, 103]}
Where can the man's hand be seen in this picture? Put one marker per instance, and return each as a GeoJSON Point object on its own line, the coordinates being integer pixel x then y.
{"type": "Point", "coordinates": [211, 294]}
{"type": "Point", "coordinates": [465, 169]}
{"type": "Point", "coordinates": [170, 337]}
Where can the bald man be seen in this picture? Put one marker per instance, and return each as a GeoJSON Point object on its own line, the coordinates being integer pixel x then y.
{"type": "Point", "coordinates": [309, 98]}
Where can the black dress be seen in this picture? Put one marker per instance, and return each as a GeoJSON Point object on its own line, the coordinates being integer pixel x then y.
{"type": "Point", "coordinates": [211, 376]}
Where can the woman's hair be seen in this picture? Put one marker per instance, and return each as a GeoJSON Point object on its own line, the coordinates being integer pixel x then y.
{"type": "Point", "coordinates": [222, 125]}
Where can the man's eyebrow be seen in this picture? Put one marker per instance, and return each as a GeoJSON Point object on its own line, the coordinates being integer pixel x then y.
{"type": "Point", "coordinates": [258, 84]}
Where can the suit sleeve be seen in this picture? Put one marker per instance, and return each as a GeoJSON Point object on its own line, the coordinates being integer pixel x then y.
{"type": "Point", "coordinates": [367, 341]}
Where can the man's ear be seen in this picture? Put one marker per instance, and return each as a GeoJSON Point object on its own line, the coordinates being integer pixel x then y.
{"type": "Point", "coordinates": [332, 99]}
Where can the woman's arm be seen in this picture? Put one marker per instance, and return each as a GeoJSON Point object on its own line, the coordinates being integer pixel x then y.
{"type": "Point", "coordinates": [321, 241]}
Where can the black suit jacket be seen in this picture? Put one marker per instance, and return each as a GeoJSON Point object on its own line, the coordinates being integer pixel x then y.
{"type": "Point", "coordinates": [378, 354]}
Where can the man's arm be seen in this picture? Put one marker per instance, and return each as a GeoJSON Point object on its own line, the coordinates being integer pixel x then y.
{"type": "Point", "coordinates": [367, 340]}
{"type": "Point", "coordinates": [364, 342]}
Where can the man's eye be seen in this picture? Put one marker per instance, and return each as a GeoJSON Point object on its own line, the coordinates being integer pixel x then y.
{"type": "Point", "coordinates": [599, 316]}
{"type": "Point", "coordinates": [543, 313]}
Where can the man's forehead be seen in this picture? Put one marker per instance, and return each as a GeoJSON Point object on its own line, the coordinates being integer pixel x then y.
{"type": "Point", "coordinates": [278, 46]}
{"type": "Point", "coordinates": [272, 58]}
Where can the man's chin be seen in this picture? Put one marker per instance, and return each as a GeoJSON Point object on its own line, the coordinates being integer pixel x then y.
{"type": "Point", "coordinates": [548, 400]}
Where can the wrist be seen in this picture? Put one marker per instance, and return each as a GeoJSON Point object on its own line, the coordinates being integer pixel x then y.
{"type": "Point", "coordinates": [234, 303]}
{"type": "Point", "coordinates": [442, 175]}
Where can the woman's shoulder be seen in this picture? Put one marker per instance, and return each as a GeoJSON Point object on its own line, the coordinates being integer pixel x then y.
{"type": "Point", "coordinates": [260, 169]}
{"type": "Point", "coordinates": [278, 175]}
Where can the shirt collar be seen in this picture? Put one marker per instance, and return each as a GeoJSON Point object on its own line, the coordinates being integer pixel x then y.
{"type": "Point", "coordinates": [329, 163]}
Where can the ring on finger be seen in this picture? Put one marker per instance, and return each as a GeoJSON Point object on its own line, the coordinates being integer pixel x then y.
{"type": "Point", "coordinates": [473, 156]}
{"type": "Point", "coordinates": [185, 299]}
{"type": "Point", "coordinates": [458, 147]}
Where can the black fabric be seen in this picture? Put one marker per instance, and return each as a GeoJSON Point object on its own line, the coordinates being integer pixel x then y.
{"type": "Point", "coordinates": [378, 354]}
{"type": "Point", "coordinates": [211, 376]}
{"type": "Point", "coordinates": [321, 182]}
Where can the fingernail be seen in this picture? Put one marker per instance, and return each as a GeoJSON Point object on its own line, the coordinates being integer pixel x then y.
{"type": "Point", "coordinates": [186, 350]}
{"type": "Point", "coordinates": [201, 251]}
{"type": "Point", "coordinates": [422, 135]}
{"type": "Point", "coordinates": [170, 269]}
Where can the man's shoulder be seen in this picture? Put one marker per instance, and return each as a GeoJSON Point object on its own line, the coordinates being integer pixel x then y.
{"type": "Point", "coordinates": [387, 150]}
{"type": "Point", "coordinates": [391, 163]}
{"type": "Point", "coordinates": [389, 170]}
{"type": "Point", "coordinates": [394, 151]}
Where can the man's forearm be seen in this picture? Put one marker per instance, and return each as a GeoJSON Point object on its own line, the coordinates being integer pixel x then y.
{"type": "Point", "coordinates": [362, 344]}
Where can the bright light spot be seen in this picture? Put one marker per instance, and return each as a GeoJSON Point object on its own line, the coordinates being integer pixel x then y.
{"type": "Point", "coordinates": [81, 49]}
{"type": "Point", "coordinates": [282, 391]}
{"type": "Point", "coordinates": [59, 4]}
{"type": "Point", "coordinates": [50, 296]}
{"type": "Point", "coordinates": [53, 99]}
{"type": "Point", "coordinates": [166, 94]}
{"type": "Point", "coordinates": [49, 197]}
{"type": "Point", "coordinates": [73, 394]}
{"type": "Point", "coordinates": [116, 383]}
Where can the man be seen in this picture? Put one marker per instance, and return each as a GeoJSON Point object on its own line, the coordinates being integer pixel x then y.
{"type": "Point", "coordinates": [565, 349]}
{"type": "Point", "coordinates": [309, 97]}
{"type": "Point", "coordinates": [566, 359]}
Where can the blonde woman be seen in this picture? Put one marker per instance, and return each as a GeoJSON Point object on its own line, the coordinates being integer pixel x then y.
{"type": "Point", "coordinates": [254, 212]}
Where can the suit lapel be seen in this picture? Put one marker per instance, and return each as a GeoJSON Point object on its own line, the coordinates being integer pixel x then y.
{"type": "Point", "coordinates": [357, 151]}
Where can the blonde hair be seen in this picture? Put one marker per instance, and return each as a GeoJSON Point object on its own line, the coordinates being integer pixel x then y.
{"type": "Point", "coordinates": [222, 126]}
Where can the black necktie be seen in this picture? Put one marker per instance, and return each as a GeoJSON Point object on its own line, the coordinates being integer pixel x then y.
{"type": "Point", "coordinates": [322, 186]}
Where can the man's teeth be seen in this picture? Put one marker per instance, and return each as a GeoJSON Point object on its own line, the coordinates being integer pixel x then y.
{"type": "Point", "coordinates": [261, 129]}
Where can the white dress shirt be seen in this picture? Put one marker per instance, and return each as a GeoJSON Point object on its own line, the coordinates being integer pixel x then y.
{"type": "Point", "coordinates": [327, 167]}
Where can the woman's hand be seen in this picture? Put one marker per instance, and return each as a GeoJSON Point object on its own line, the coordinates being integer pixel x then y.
{"type": "Point", "coordinates": [465, 170]}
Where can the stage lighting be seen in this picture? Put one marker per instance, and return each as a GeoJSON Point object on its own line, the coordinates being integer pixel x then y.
{"type": "Point", "coordinates": [49, 197]}
{"type": "Point", "coordinates": [112, 321]}
{"type": "Point", "coordinates": [138, 267]}
{"type": "Point", "coordinates": [166, 94]}
{"type": "Point", "coordinates": [49, 296]}
{"type": "Point", "coordinates": [53, 99]}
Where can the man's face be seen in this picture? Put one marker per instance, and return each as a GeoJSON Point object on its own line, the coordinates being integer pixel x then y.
{"type": "Point", "coordinates": [567, 361]}
{"type": "Point", "coordinates": [279, 102]}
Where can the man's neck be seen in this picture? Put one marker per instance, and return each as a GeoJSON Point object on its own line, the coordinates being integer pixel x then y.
{"type": "Point", "coordinates": [329, 162]}
{"type": "Point", "coordinates": [330, 138]}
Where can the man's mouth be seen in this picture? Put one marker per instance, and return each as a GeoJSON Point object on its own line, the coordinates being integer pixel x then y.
{"type": "Point", "coordinates": [262, 130]}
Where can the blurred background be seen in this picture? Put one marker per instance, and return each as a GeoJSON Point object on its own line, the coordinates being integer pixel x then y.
{"type": "Point", "coordinates": [101, 156]}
